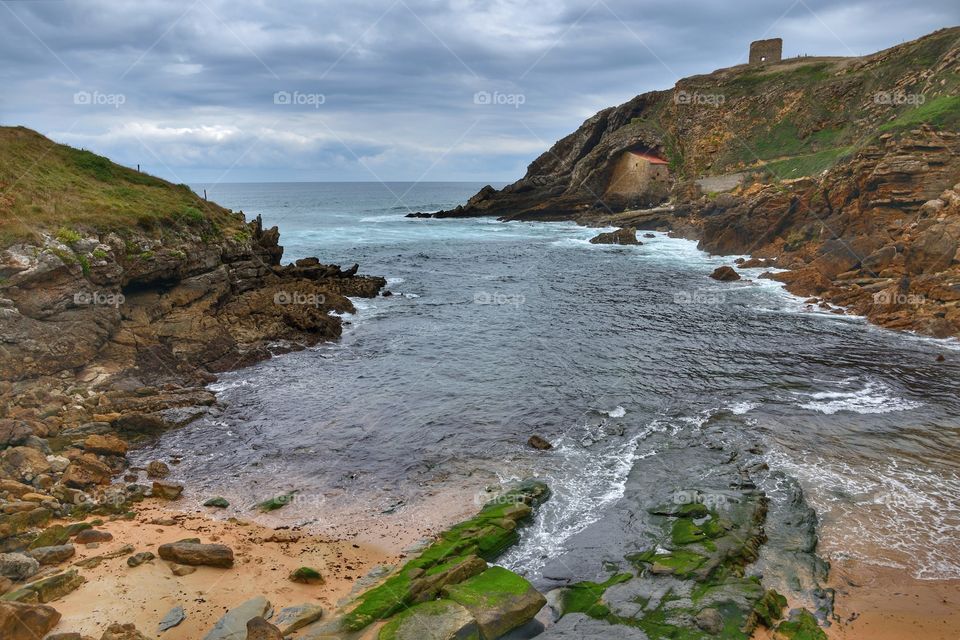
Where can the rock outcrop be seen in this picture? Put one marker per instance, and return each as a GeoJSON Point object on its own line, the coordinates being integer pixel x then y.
{"type": "Point", "coordinates": [842, 170]}
{"type": "Point", "coordinates": [121, 297]}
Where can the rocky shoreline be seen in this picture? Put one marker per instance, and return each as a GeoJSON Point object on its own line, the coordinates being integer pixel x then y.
{"type": "Point", "coordinates": [803, 164]}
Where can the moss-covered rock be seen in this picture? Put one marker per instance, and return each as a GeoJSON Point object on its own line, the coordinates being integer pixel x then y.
{"type": "Point", "coordinates": [456, 555]}
{"type": "Point", "coordinates": [434, 620]}
{"type": "Point", "coordinates": [277, 502]}
{"type": "Point", "coordinates": [306, 575]}
{"type": "Point", "coordinates": [802, 625]}
{"type": "Point", "coordinates": [498, 599]}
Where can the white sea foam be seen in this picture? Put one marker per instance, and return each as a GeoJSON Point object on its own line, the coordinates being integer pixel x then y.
{"type": "Point", "coordinates": [872, 397]}
{"type": "Point", "coordinates": [740, 408]}
{"type": "Point", "coordinates": [862, 515]}
{"type": "Point", "coordinates": [617, 412]}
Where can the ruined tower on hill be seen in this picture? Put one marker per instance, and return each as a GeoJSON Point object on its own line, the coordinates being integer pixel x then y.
{"type": "Point", "coordinates": [766, 51]}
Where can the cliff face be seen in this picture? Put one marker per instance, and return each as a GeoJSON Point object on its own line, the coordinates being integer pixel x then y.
{"type": "Point", "coordinates": [840, 169]}
{"type": "Point", "coordinates": [121, 295]}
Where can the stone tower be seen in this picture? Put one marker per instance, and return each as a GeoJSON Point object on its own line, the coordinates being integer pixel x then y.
{"type": "Point", "coordinates": [766, 51]}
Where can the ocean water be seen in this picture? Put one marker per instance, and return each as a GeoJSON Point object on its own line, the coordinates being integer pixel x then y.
{"type": "Point", "coordinates": [498, 331]}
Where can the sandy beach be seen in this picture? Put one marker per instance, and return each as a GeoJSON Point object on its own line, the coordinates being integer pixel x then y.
{"type": "Point", "coordinates": [115, 592]}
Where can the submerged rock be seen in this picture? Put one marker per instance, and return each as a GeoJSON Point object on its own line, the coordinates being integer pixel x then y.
{"type": "Point", "coordinates": [539, 443]}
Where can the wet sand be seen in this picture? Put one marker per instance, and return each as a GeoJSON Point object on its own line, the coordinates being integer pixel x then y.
{"type": "Point", "coordinates": [880, 603]}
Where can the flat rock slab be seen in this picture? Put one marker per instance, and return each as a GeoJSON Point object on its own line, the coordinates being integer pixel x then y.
{"type": "Point", "coordinates": [578, 626]}
{"type": "Point", "coordinates": [196, 554]}
{"type": "Point", "coordinates": [233, 625]}
{"type": "Point", "coordinates": [291, 619]}
{"type": "Point", "coordinates": [498, 599]}
{"type": "Point", "coordinates": [433, 620]}
{"type": "Point", "coordinates": [173, 617]}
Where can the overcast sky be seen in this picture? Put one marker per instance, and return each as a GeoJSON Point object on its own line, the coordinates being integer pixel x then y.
{"type": "Point", "coordinates": [247, 90]}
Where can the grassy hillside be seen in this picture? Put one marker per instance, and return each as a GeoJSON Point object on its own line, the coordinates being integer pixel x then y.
{"type": "Point", "coordinates": [52, 188]}
{"type": "Point", "coordinates": [803, 115]}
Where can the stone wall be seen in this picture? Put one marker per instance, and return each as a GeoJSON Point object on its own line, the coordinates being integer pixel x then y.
{"type": "Point", "coordinates": [766, 51]}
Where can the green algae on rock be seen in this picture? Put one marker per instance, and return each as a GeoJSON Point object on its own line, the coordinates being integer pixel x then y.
{"type": "Point", "coordinates": [460, 553]}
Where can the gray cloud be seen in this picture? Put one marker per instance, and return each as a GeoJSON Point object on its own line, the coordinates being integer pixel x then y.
{"type": "Point", "coordinates": [187, 89]}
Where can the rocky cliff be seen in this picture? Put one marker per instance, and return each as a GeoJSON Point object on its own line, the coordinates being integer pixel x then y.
{"type": "Point", "coordinates": [844, 170]}
{"type": "Point", "coordinates": [121, 297]}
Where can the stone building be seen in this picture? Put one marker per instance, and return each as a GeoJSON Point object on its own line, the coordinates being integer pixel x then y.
{"type": "Point", "coordinates": [640, 174]}
{"type": "Point", "coordinates": [766, 51]}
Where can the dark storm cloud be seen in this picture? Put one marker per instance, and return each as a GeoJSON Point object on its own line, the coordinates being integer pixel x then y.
{"type": "Point", "coordinates": [381, 89]}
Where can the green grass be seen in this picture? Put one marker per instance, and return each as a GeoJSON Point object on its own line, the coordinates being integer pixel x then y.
{"type": "Point", "coordinates": [942, 112]}
{"type": "Point", "coordinates": [805, 165]}
{"type": "Point", "coordinates": [55, 189]}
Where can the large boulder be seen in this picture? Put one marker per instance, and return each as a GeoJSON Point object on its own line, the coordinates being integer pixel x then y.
{"type": "Point", "coordinates": [627, 235]}
{"type": "Point", "coordinates": [23, 463]}
{"type": "Point", "coordinates": [109, 445]}
{"type": "Point", "coordinates": [52, 555]}
{"type": "Point", "coordinates": [233, 624]}
{"type": "Point", "coordinates": [498, 599]}
{"type": "Point", "coordinates": [260, 629]}
{"type": "Point", "coordinates": [14, 432]}
{"type": "Point", "coordinates": [86, 471]}
{"type": "Point", "coordinates": [26, 621]}
{"type": "Point", "coordinates": [18, 567]}
{"type": "Point", "coordinates": [725, 274]}
{"type": "Point", "coordinates": [196, 554]}
{"type": "Point", "coordinates": [433, 620]}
